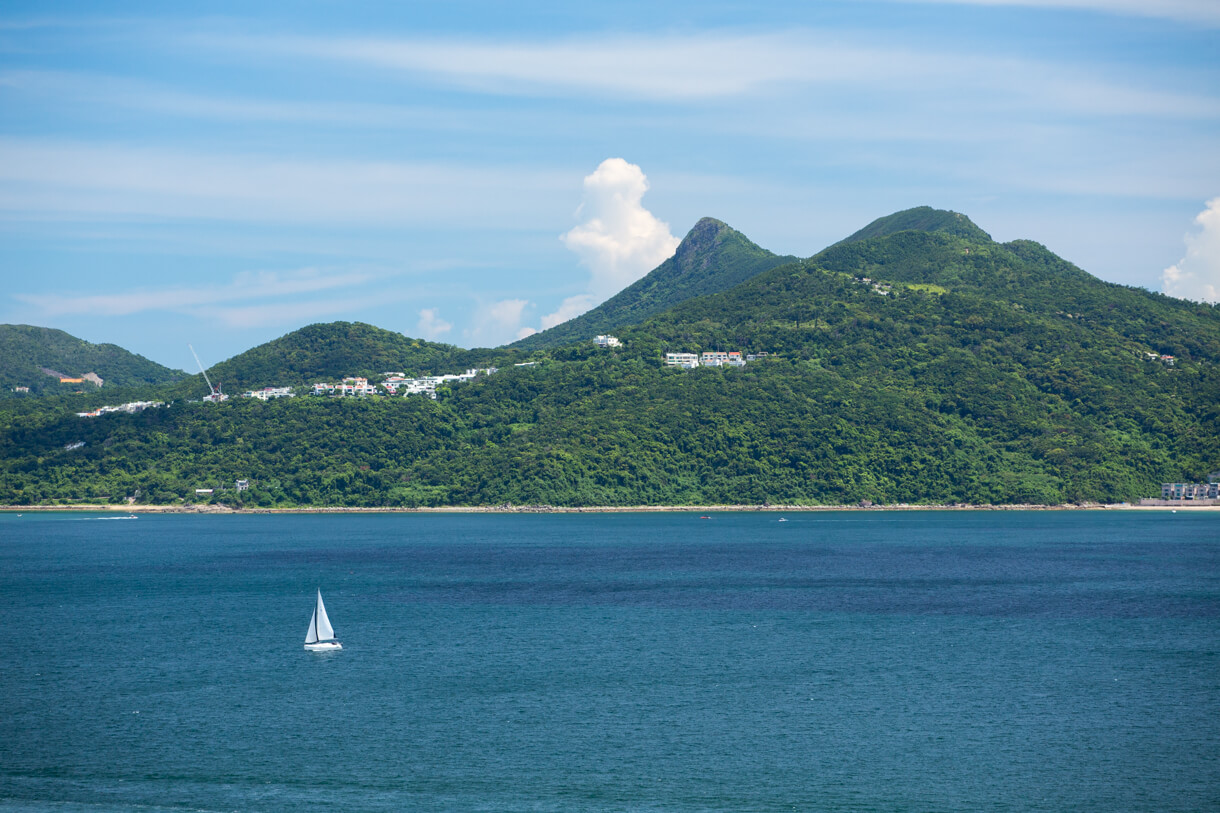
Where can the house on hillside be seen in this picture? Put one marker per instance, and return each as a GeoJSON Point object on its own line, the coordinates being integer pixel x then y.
{"type": "Point", "coordinates": [686, 361]}
{"type": "Point", "coordinates": [267, 393]}
{"type": "Point", "coordinates": [357, 386]}
{"type": "Point", "coordinates": [607, 341]}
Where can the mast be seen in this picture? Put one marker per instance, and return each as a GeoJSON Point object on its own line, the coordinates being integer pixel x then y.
{"type": "Point", "coordinates": [211, 389]}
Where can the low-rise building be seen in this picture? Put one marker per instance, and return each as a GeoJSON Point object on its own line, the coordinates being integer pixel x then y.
{"type": "Point", "coordinates": [349, 386]}
{"type": "Point", "coordinates": [267, 393]}
{"type": "Point", "coordinates": [607, 341]}
{"type": "Point", "coordinates": [129, 407]}
{"type": "Point", "coordinates": [710, 358]}
{"type": "Point", "coordinates": [686, 361]}
{"type": "Point", "coordinates": [1190, 491]}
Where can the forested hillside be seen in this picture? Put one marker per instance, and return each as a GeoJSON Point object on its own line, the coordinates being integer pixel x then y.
{"type": "Point", "coordinates": [914, 366]}
{"type": "Point", "coordinates": [324, 352]}
{"type": "Point", "coordinates": [36, 358]}
{"type": "Point", "coordinates": [921, 218]}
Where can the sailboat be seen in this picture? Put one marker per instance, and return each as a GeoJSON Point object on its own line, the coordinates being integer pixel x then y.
{"type": "Point", "coordinates": [321, 635]}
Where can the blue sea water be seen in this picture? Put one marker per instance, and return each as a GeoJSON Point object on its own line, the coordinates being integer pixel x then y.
{"type": "Point", "coordinates": [879, 661]}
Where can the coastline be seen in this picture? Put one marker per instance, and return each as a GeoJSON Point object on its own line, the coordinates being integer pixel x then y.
{"type": "Point", "coordinates": [605, 509]}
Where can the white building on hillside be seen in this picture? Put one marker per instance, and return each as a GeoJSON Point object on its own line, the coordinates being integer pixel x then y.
{"type": "Point", "coordinates": [267, 393]}
{"type": "Point", "coordinates": [684, 360]}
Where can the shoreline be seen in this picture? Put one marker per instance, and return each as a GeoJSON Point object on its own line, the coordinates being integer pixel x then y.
{"type": "Point", "coordinates": [605, 509]}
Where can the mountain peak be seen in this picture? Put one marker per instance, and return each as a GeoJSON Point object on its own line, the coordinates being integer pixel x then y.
{"type": "Point", "coordinates": [713, 257]}
{"type": "Point", "coordinates": [703, 238]}
{"type": "Point", "coordinates": [921, 218]}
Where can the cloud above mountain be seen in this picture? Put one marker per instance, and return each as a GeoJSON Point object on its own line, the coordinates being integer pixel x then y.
{"type": "Point", "coordinates": [619, 240]}
{"type": "Point", "coordinates": [431, 326]}
{"type": "Point", "coordinates": [1197, 275]}
{"type": "Point", "coordinates": [496, 323]}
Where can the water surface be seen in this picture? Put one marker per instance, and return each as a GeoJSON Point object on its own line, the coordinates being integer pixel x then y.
{"type": "Point", "coordinates": [836, 661]}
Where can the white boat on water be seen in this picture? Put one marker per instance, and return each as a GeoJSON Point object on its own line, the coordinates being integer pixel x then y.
{"type": "Point", "coordinates": [321, 635]}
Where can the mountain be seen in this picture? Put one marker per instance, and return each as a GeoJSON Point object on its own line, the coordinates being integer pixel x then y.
{"type": "Point", "coordinates": [930, 362]}
{"type": "Point", "coordinates": [922, 366]}
{"type": "Point", "coordinates": [712, 257]}
{"type": "Point", "coordinates": [325, 352]}
{"type": "Point", "coordinates": [37, 357]}
{"type": "Point", "coordinates": [921, 218]}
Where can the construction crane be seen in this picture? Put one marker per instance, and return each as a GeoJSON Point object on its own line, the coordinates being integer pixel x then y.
{"type": "Point", "coordinates": [214, 395]}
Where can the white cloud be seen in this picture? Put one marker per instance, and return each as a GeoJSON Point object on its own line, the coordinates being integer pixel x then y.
{"type": "Point", "coordinates": [570, 308]}
{"type": "Point", "coordinates": [1197, 275]}
{"type": "Point", "coordinates": [431, 326]}
{"type": "Point", "coordinates": [619, 241]}
{"type": "Point", "coordinates": [497, 323]}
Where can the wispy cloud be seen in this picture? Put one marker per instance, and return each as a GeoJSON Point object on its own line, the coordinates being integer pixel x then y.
{"type": "Point", "coordinates": [700, 66]}
{"type": "Point", "coordinates": [101, 179]}
{"type": "Point", "coordinates": [75, 88]}
{"type": "Point", "coordinates": [708, 66]}
{"type": "Point", "coordinates": [285, 313]}
{"type": "Point", "coordinates": [202, 300]}
{"type": "Point", "coordinates": [1205, 12]}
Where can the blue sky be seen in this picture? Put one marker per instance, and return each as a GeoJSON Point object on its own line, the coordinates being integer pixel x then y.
{"type": "Point", "coordinates": [228, 173]}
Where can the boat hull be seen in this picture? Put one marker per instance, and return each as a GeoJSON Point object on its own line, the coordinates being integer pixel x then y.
{"type": "Point", "coordinates": [324, 646]}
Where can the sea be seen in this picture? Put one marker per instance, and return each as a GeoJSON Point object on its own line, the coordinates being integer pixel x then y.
{"type": "Point", "coordinates": [837, 660]}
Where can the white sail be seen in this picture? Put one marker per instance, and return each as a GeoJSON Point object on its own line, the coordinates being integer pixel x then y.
{"type": "Point", "coordinates": [311, 637]}
{"type": "Point", "coordinates": [320, 624]}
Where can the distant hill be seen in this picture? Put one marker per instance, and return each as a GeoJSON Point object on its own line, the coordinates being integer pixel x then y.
{"type": "Point", "coordinates": [325, 352]}
{"type": "Point", "coordinates": [713, 257]}
{"type": "Point", "coordinates": [36, 357]}
{"type": "Point", "coordinates": [921, 218]}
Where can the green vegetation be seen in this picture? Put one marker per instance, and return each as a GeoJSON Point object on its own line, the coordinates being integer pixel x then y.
{"type": "Point", "coordinates": [921, 218]}
{"type": "Point", "coordinates": [326, 353]}
{"type": "Point", "coordinates": [713, 257]}
{"type": "Point", "coordinates": [36, 357]}
{"type": "Point", "coordinates": [966, 371]}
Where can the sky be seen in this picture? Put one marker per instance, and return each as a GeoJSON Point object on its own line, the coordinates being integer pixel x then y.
{"type": "Point", "coordinates": [221, 174]}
